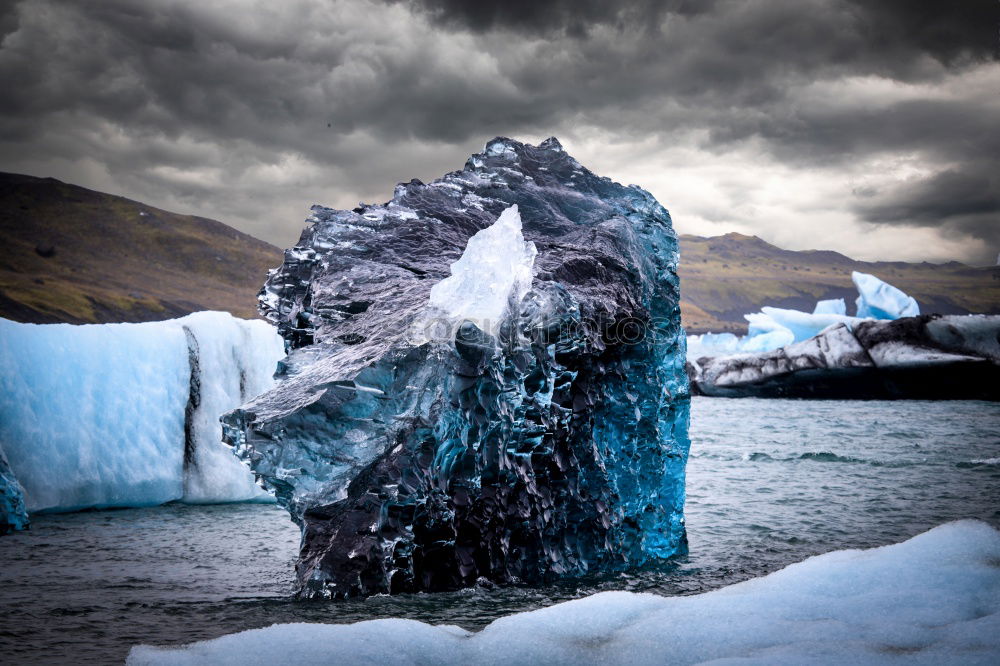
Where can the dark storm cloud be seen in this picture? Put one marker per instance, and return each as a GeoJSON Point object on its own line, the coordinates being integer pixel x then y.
{"type": "Point", "coordinates": [957, 201]}
{"type": "Point", "coordinates": [574, 17]}
{"type": "Point", "coordinates": [740, 73]}
{"type": "Point", "coordinates": [947, 195]}
{"type": "Point", "coordinates": [176, 67]}
{"type": "Point", "coordinates": [946, 30]}
{"type": "Point", "coordinates": [948, 129]}
{"type": "Point", "coordinates": [224, 105]}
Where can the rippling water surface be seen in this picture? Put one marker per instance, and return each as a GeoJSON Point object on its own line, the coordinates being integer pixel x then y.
{"type": "Point", "coordinates": [770, 482]}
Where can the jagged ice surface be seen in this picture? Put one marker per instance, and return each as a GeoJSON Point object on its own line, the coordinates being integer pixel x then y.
{"type": "Point", "coordinates": [544, 444]}
{"type": "Point", "coordinates": [236, 361]}
{"type": "Point", "coordinates": [127, 414]}
{"type": "Point", "coordinates": [934, 599]}
{"type": "Point", "coordinates": [13, 513]}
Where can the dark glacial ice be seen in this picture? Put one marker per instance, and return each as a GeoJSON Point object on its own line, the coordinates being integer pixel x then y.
{"type": "Point", "coordinates": [13, 515]}
{"type": "Point", "coordinates": [485, 382]}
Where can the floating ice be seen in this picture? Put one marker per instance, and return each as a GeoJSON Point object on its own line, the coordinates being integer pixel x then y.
{"type": "Point", "coordinates": [929, 357]}
{"type": "Point", "coordinates": [880, 300]}
{"type": "Point", "coordinates": [934, 599]}
{"type": "Point", "coordinates": [835, 306]}
{"type": "Point", "coordinates": [536, 439]}
{"type": "Point", "coordinates": [773, 328]}
{"type": "Point", "coordinates": [802, 324]}
{"type": "Point", "coordinates": [127, 414]}
{"type": "Point", "coordinates": [978, 335]}
{"type": "Point", "coordinates": [712, 344]}
{"type": "Point", "coordinates": [763, 333]}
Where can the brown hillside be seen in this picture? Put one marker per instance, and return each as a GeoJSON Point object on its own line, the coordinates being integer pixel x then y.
{"type": "Point", "coordinates": [75, 255]}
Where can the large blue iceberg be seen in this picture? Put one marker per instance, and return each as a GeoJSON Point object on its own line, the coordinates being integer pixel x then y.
{"type": "Point", "coordinates": [486, 381]}
{"type": "Point", "coordinates": [128, 414]}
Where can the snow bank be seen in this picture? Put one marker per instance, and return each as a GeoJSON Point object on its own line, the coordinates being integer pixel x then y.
{"type": "Point", "coordinates": [930, 600]}
{"type": "Point", "coordinates": [127, 414]}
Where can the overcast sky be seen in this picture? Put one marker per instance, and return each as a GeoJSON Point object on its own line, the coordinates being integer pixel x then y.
{"type": "Point", "coordinates": [871, 127]}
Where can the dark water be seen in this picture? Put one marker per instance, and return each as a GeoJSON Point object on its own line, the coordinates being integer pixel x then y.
{"type": "Point", "coordinates": [769, 483]}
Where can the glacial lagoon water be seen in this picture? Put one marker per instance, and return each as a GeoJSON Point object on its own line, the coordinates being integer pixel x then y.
{"type": "Point", "coordinates": [769, 483]}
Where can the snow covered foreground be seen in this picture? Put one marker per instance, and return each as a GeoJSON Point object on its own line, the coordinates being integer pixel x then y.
{"type": "Point", "coordinates": [933, 599]}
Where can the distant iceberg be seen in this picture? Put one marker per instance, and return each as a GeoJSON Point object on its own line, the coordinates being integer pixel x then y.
{"type": "Point", "coordinates": [880, 300]}
{"type": "Point", "coordinates": [926, 357]}
{"type": "Point", "coordinates": [933, 599]}
{"type": "Point", "coordinates": [773, 328]}
{"type": "Point", "coordinates": [835, 306]}
{"type": "Point", "coordinates": [128, 414]}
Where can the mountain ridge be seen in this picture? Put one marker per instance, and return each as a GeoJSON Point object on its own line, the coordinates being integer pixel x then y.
{"type": "Point", "coordinates": [77, 255]}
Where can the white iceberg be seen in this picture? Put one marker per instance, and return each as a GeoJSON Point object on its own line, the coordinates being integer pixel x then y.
{"type": "Point", "coordinates": [128, 414]}
{"type": "Point", "coordinates": [934, 599]}
{"type": "Point", "coordinates": [835, 306]}
{"type": "Point", "coordinates": [880, 300]}
{"type": "Point", "coordinates": [803, 325]}
{"type": "Point", "coordinates": [712, 344]}
{"type": "Point", "coordinates": [773, 328]}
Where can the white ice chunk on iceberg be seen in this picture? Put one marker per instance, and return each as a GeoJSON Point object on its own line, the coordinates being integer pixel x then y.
{"type": "Point", "coordinates": [712, 344]}
{"type": "Point", "coordinates": [495, 268]}
{"type": "Point", "coordinates": [770, 329]}
{"type": "Point", "coordinates": [775, 339]}
{"type": "Point", "coordinates": [95, 415]}
{"type": "Point", "coordinates": [804, 325]}
{"type": "Point", "coordinates": [880, 300]}
{"type": "Point", "coordinates": [764, 333]}
{"type": "Point", "coordinates": [933, 599]}
{"type": "Point", "coordinates": [832, 306]}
